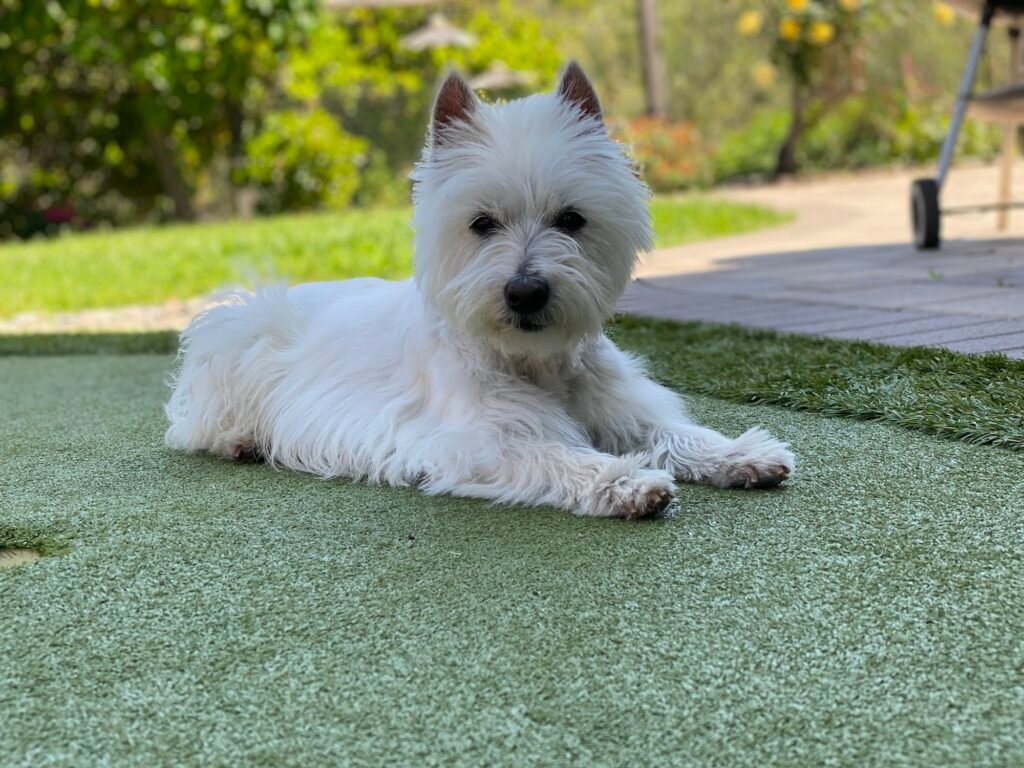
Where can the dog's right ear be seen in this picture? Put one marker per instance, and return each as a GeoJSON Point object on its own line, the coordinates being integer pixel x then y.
{"type": "Point", "coordinates": [455, 104]}
{"type": "Point", "coordinates": [575, 88]}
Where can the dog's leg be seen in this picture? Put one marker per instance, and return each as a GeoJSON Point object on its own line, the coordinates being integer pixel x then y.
{"type": "Point", "coordinates": [584, 481]}
{"type": "Point", "coordinates": [696, 454]}
{"type": "Point", "coordinates": [625, 411]}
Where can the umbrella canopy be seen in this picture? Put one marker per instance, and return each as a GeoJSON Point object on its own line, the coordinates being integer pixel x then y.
{"type": "Point", "coordinates": [499, 76]}
{"type": "Point", "coordinates": [438, 33]}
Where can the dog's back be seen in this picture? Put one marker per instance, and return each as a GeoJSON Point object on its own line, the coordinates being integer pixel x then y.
{"type": "Point", "coordinates": [255, 373]}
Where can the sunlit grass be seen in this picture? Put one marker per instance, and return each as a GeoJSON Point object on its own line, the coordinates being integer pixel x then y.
{"type": "Point", "coordinates": [154, 264]}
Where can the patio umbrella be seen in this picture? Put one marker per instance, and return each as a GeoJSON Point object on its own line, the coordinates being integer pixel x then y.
{"type": "Point", "coordinates": [438, 33]}
{"type": "Point", "coordinates": [498, 76]}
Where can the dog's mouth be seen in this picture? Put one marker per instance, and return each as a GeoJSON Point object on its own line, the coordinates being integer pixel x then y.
{"type": "Point", "coordinates": [527, 324]}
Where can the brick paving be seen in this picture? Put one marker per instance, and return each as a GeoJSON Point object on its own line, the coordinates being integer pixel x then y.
{"type": "Point", "coordinates": [845, 268]}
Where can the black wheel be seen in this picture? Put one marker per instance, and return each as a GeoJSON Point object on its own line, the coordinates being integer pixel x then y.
{"type": "Point", "coordinates": [924, 208]}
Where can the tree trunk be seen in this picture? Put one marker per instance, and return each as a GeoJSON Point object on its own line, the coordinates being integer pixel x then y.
{"type": "Point", "coordinates": [650, 54]}
{"type": "Point", "coordinates": [787, 162]}
{"type": "Point", "coordinates": [236, 154]}
{"type": "Point", "coordinates": [165, 157]}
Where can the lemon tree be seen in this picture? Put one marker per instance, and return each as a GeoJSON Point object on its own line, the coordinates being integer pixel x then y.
{"type": "Point", "coordinates": [811, 49]}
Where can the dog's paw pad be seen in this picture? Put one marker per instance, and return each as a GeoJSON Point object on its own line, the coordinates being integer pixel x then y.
{"type": "Point", "coordinates": [759, 477]}
{"type": "Point", "coordinates": [640, 495]}
{"type": "Point", "coordinates": [654, 504]}
{"type": "Point", "coordinates": [757, 460]}
{"type": "Point", "coordinates": [247, 454]}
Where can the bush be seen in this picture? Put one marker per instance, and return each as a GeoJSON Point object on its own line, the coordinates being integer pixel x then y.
{"type": "Point", "coordinates": [670, 156]}
{"type": "Point", "coordinates": [303, 160]}
{"type": "Point", "coordinates": [751, 152]}
{"type": "Point", "coordinates": [859, 132]}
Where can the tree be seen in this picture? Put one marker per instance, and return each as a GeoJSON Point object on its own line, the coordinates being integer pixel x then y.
{"type": "Point", "coordinates": [356, 67]}
{"type": "Point", "coordinates": [812, 40]}
{"type": "Point", "coordinates": [121, 104]}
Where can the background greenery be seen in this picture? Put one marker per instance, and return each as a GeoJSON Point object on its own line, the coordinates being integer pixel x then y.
{"type": "Point", "coordinates": [115, 112]}
{"type": "Point", "coordinates": [153, 264]}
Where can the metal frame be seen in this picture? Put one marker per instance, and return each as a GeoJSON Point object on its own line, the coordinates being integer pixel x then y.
{"type": "Point", "coordinates": [964, 96]}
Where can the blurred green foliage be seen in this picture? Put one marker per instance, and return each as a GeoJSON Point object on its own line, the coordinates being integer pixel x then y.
{"type": "Point", "coordinates": [149, 265]}
{"type": "Point", "coordinates": [856, 133]}
{"type": "Point", "coordinates": [303, 159]}
{"type": "Point", "coordinates": [139, 110]}
{"type": "Point", "coordinates": [117, 106]}
{"type": "Point", "coordinates": [355, 66]}
{"type": "Point", "coordinates": [121, 110]}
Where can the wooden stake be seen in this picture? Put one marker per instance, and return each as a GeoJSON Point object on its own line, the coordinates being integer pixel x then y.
{"type": "Point", "coordinates": [1009, 141]}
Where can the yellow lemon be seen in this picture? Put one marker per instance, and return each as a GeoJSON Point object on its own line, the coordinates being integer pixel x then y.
{"type": "Point", "coordinates": [797, 5]}
{"type": "Point", "coordinates": [789, 29]}
{"type": "Point", "coordinates": [749, 23]}
{"type": "Point", "coordinates": [822, 33]}
{"type": "Point", "coordinates": [944, 14]}
{"type": "Point", "coordinates": [764, 75]}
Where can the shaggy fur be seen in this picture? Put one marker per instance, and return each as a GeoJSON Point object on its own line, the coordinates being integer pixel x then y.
{"type": "Point", "coordinates": [440, 381]}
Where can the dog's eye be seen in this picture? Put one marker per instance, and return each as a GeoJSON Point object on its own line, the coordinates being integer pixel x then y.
{"type": "Point", "coordinates": [483, 225]}
{"type": "Point", "coordinates": [569, 221]}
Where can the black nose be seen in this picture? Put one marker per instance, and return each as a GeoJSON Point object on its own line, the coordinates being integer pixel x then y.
{"type": "Point", "coordinates": [526, 295]}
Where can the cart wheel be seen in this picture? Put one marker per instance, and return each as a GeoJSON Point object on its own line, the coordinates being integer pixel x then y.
{"type": "Point", "coordinates": [924, 207]}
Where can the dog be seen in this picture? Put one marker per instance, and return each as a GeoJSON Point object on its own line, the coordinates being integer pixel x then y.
{"type": "Point", "coordinates": [488, 374]}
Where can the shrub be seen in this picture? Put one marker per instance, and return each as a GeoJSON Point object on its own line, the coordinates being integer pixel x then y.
{"type": "Point", "coordinates": [859, 132]}
{"type": "Point", "coordinates": [304, 160]}
{"type": "Point", "coordinates": [751, 152]}
{"type": "Point", "coordinates": [670, 156]}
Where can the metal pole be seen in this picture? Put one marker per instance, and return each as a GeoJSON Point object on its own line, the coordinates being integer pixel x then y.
{"type": "Point", "coordinates": [964, 96]}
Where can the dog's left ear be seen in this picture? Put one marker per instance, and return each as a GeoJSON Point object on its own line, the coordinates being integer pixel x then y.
{"type": "Point", "coordinates": [574, 88]}
{"type": "Point", "coordinates": [455, 104]}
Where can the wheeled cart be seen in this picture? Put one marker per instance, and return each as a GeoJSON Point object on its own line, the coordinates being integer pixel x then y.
{"type": "Point", "coordinates": [1003, 105]}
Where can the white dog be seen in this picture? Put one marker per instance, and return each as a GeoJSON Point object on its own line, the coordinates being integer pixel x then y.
{"type": "Point", "coordinates": [488, 374]}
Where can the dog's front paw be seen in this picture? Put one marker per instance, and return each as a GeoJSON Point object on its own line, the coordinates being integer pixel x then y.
{"type": "Point", "coordinates": [637, 494]}
{"type": "Point", "coordinates": [755, 460]}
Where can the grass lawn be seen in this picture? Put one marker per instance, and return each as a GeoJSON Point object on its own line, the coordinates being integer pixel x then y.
{"type": "Point", "coordinates": [152, 265]}
{"type": "Point", "coordinates": [199, 612]}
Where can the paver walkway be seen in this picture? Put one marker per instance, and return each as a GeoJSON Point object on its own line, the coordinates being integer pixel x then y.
{"type": "Point", "coordinates": [845, 268]}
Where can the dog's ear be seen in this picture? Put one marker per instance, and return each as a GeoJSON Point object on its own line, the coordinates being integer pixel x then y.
{"type": "Point", "coordinates": [455, 103]}
{"type": "Point", "coordinates": [574, 88]}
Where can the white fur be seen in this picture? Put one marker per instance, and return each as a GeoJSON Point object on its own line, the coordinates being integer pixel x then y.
{"type": "Point", "coordinates": [427, 382]}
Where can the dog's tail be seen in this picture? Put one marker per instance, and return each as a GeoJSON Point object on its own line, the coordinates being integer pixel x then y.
{"type": "Point", "coordinates": [227, 358]}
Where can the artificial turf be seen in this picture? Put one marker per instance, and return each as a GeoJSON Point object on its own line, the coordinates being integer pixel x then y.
{"type": "Point", "coordinates": [974, 398]}
{"type": "Point", "coordinates": [200, 612]}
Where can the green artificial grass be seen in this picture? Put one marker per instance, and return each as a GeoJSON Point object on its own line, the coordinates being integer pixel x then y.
{"type": "Point", "coordinates": [206, 613]}
{"type": "Point", "coordinates": [974, 398]}
{"type": "Point", "coordinates": [154, 264]}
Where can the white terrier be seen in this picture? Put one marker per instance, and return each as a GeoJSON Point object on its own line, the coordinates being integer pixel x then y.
{"type": "Point", "coordinates": [488, 374]}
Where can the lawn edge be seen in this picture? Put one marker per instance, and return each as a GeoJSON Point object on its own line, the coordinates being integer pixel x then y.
{"type": "Point", "coordinates": [89, 343]}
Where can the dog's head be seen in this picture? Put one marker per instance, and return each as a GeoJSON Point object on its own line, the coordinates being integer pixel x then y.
{"type": "Point", "coordinates": [528, 218]}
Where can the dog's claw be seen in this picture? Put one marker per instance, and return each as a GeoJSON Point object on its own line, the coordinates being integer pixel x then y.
{"type": "Point", "coordinates": [652, 506]}
{"type": "Point", "coordinates": [657, 502]}
{"type": "Point", "coordinates": [760, 478]}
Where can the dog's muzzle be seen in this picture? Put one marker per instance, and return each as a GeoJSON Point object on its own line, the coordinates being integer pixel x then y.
{"type": "Point", "coordinates": [526, 295]}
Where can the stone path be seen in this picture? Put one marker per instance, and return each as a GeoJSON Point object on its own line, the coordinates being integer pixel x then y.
{"type": "Point", "coordinates": [845, 269]}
